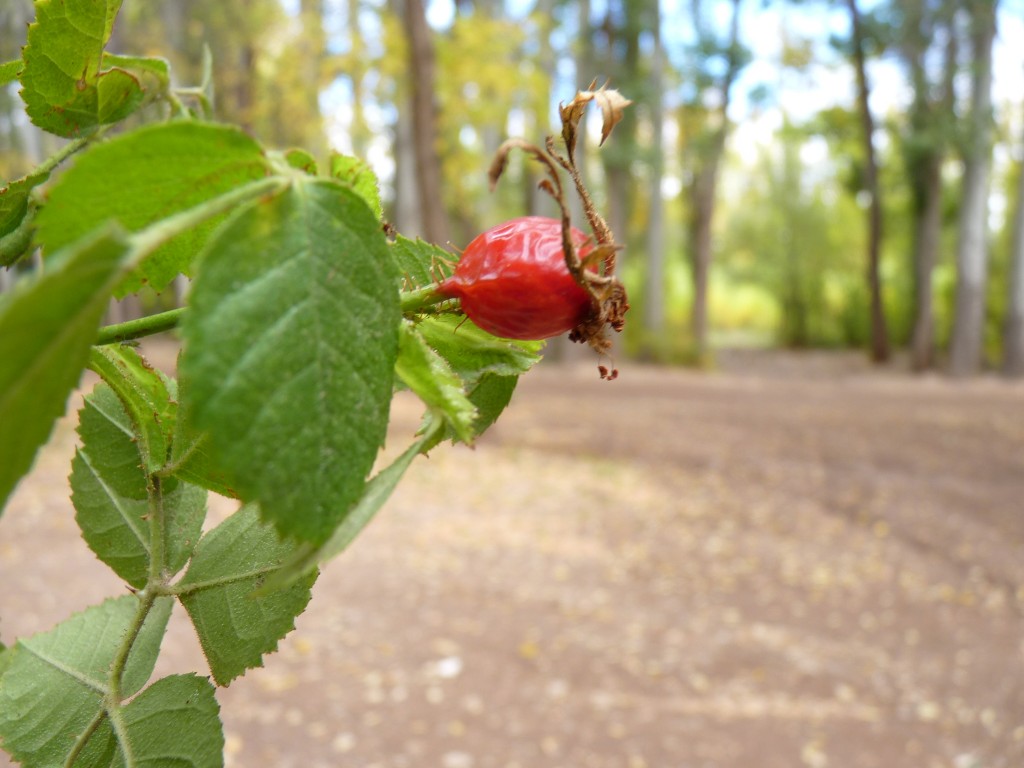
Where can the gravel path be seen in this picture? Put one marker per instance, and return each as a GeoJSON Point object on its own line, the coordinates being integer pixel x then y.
{"type": "Point", "coordinates": [791, 562]}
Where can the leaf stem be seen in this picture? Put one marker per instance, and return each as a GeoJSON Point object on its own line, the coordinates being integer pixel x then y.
{"type": "Point", "coordinates": [412, 302]}
{"type": "Point", "coordinates": [143, 326]}
{"type": "Point", "coordinates": [423, 298]}
{"type": "Point", "coordinates": [83, 738]}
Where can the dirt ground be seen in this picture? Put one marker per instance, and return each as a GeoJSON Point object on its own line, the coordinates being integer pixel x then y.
{"type": "Point", "coordinates": [793, 561]}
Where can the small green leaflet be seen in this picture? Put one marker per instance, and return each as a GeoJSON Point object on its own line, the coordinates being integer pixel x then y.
{"type": "Point", "coordinates": [155, 722]}
{"type": "Point", "coordinates": [145, 176]}
{"type": "Point", "coordinates": [358, 176]}
{"type": "Point", "coordinates": [306, 557]}
{"type": "Point", "coordinates": [64, 88]}
{"type": "Point", "coordinates": [235, 629]}
{"type": "Point", "coordinates": [191, 459]}
{"type": "Point", "coordinates": [144, 396]}
{"type": "Point", "coordinates": [109, 491]}
{"type": "Point", "coordinates": [302, 160]}
{"type": "Point", "coordinates": [428, 375]}
{"type": "Point", "coordinates": [9, 71]}
{"type": "Point", "coordinates": [290, 348]}
{"type": "Point", "coordinates": [55, 681]}
{"type": "Point", "coordinates": [17, 214]}
{"type": "Point", "coordinates": [47, 324]}
{"type": "Point", "coordinates": [472, 352]}
{"type": "Point", "coordinates": [421, 263]}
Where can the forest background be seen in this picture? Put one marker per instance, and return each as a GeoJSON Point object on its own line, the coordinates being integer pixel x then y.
{"type": "Point", "coordinates": [800, 174]}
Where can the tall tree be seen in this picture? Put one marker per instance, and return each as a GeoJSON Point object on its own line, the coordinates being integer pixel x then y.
{"type": "Point", "coordinates": [972, 245]}
{"type": "Point", "coordinates": [921, 27]}
{"type": "Point", "coordinates": [1013, 338]}
{"type": "Point", "coordinates": [654, 295]}
{"type": "Point", "coordinates": [708, 128]}
{"type": "Point", "coordinates": [424, 122]}
{"type": "Point", "coordinates": [879, 346]}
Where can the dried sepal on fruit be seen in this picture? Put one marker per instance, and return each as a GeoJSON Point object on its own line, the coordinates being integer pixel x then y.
{"type": "Point", "coordinates": [594, 271]}
{"type": "Point", "coordinates": [611, 102]}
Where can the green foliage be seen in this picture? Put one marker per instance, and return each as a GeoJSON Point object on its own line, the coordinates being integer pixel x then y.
{"type": "Point", "coordinates": [65, 90]}
{"type": "Point", "coordinates": [56, 682]}
{"type": "Point", "coordinates": [112, 500]}
{"type": "Point", "coordinates": [358, 176]}
{"type": "Point", "coordinates": [427, 374]}
{"type": "Point", "coordinates": [144, 177]}
{"type": "Point", "coordinates": [16, 217]}
{"type": "Point", "coordinates": [290, 348]}
{"type": "Point", "coordinates": [230, 561]}
{"type": "Point", "coordinates": [173, 722]}
{"type": "Point", "coordinates": [302, 322]}
{"type": "Point", "coordinates": [46, 326]}
{"type": "Point", "coordinates": [420, 263]}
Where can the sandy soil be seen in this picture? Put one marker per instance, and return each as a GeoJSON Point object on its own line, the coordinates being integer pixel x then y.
{"type": "Point", "coordinates": [790, 562]}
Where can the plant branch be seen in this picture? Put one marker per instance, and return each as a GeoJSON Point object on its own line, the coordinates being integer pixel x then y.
{"type": "Point", "coordinates": [143, 326]}
{"type": "Point", "coordinates": [412, 302]}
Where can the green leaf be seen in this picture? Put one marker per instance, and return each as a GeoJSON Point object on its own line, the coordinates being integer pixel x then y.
{"type": "Point", "coordinates": [307, 557]}
{"type": "Point", "coordinates": [64, 88]}
{"type": "Point", "coordinates": [191, 459]}
{"type": "Point", "coordinates": [9, 71]}
{"type": "Point", "coordinates": [236, 629]}
{"type": "Point", "coordinates": [302, 160]}
{"type": "Point", "coordinates": [290, 347]}
{"type": "Point", "coordinates": [153, 72]}
{"type": "Point", "coordinates": [358, 176]}
{"type": "Point", "coordinates": [491, 396]}
{"type": "Point", "coordinates": [47, 323]}
{"type": "Point", "coordinates": [55, 682]}
{"type": "Point", "coordinates": [154, 723]}
{"type": "Point", "coordinates": [421, 263]}
{"type": "Point", "coordinates": [144, 396]}
{"type": "Point", "coordinates": [17, 215]}
{"type": "Point", "coordinates": [110, 494]}
{"type": "Point", "coordinates": [428, 375]}
{"type": "Point", "coordinates": [147, 175]}
{"type": "Point", "coordinates": [472, 352]}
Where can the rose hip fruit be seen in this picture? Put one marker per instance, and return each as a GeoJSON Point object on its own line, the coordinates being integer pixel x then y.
{"type": "Point", "coordinates": [512, 280]}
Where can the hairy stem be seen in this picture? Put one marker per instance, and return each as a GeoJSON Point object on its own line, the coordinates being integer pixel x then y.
{"type": "Point", "coordinates": [83, 738]}
{"type": "Point", "coordinates": [412, 302]}
{"type": "Point", "coordinates": [143, 326]}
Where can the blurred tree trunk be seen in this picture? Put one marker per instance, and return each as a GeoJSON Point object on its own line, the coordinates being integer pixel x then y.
{"type": "Point", "coordinates": [966, 348]}
{"type": "Point", "coordinates": [879, 332]}
{"type": "Point", "coordinates": [654, 296]}
{"type": "Point", "coordinates": [924, 151]}
{"type": "Point", "coordinates": [424, 123]}
{"type": "Point", "coordinates": [1013, 337]}
{"type": "Point", "coordinates": [622, 62]}
{"type": "Point", "coordinates": [704, 184]}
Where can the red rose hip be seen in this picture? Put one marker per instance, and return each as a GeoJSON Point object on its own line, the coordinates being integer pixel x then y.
{"type": "Point", "coordinates": [512, 280]}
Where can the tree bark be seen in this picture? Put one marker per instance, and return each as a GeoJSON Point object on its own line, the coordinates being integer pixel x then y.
{"type": "Point", "coordinates": [966, 349]}
{"type": "Point", "coordinates": [424, 123]}
{"type": "Point", "coordinates": [1013, 336]}
{"type": "Point", "coordinates": [654, 296]}
{"type": "Point", "coordinates": [879, 332]}
{"type": "Point", "coordinates": [930, 116]}
{"type": "Point", "coordinates": [702, 194]}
